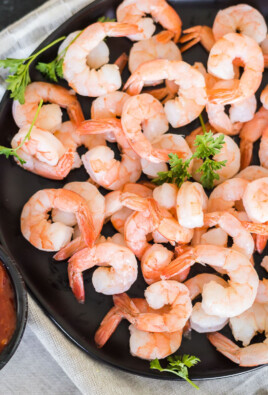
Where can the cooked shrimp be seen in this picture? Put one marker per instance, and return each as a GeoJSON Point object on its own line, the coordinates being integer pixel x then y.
{"type": "Point", "coordinates": [152, 169]}
{"type": "Point", "coordinates": [225, 195]}
{"type": "Point", "coordinates": [96, 58]}
{"type": "Point", "coordinates": [66, 133]}
{"type": "Point", "coordinates": [155, 258]}
{"type": "Point", "coordinates": [47, 236]}
{"type": "Point", "coordinates": [95, 202]}
{"type": "Point", "coordinates": [49, 116]}
{"type": "Point", "coordinates": [158, 295]}
{"type": "Point", "coordinates": [255, 200]}
{"type": "Point", "coordinates": [216, 236]}
{"type": "Point", "coordinates": [220, 64]}
{"type": "Point", "coordinates": [264, 97]}
{"type": "Point", "coordinates": [264, 263]}
{"type": "Point", "coordinates": [159, 46]}
{"type": "Point", "coordinates": [263, 154]}
{"type": "Point", "coordinates": [191, 88]}
{"type": "Point", "coordinates": [242, 17]}
{"type": "Point", "coordinates": [166, 196]}
{"type": "Point", "coordinates": [88, 81]}
{"type": "Point", "coordinates": [250, 133]}
{"type": "Point", "coordinates": [253, 355]}
{"type": "Point", "coordinates": [151, 217]}
{"type": "Point", "coordinates": [192, 201]}
{"type": "Point", "coordinates": [43, 153]}
{"type": "Point", "coordinates": [243, 241]}
{"type": "Point", "coordinates": [131, 11]}
{"type": "Point", "coordinates": [229, 152]}
{"type": "Point", "coordinates": [264, 47]}
{"type": "Point", "coordinates": [252, 173]}
{"type": "Point", "coordinates": [99, 161]}
{"type": "Point", "coordinates": [242, 286]}
{"type": "Point", "coordinates": [118, 277]}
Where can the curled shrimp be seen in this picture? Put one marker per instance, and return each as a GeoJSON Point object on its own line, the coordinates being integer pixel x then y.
{"type": "Point", "coordinates": [220, 64]}
{"type": "Point", "coordinates": [191, 97]}
{"type": "Point", "coordinates": [170, 294]}
{"type": "Point", "coordinates": [159, 46]}
{"type": "Point", "coordinates": [99, 161]}
{"type": "Point", "coordinates": [242, 17]}
{"type": "Point", "coordinates": [230, 153]}
{"type": "Point", "coordinates": [191, 203]}
{"type": "Point", "coordinates": [155, 258]}
{"type": "Point", "coordinates": [200, 321]}
{"type": "Point", "coordinates": [225, 195]}
{"type": "Point", "coordinates": [85, 80]}
{"type": "Point", "coordinates": [49, 116]}
{"type": "Point", "coordinates": [252, 173]}
{"type": "Point", "coordinates": [252, 355]}
{"type": "Point", "coordinates": [47, 236]}
{"type": "Point", "coordinates": [242, 286]}
{"type": "Point", "coordinates": [255, 200]}
{"type": "Point", "coordinates": [134, 11]}
{"type": "Point", "coordinates": [251, 132]}
{"type": "Point", "coordinates": [117, 272]}
{"type": "Point", "coordinates": [166, 196]}
{"type": "Point", "coordinates": [43, 153]}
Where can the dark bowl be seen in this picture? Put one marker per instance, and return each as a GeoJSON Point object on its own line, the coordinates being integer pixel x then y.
{"type": "Point", "coordinates": [21, 305]}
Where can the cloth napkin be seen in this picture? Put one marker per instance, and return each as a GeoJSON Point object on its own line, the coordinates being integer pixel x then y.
{"type": "Point", "coordinates": [90, 376]}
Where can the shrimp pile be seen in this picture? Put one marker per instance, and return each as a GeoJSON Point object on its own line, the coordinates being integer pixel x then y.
{"type": "Point", "coordinates": [161, 231]}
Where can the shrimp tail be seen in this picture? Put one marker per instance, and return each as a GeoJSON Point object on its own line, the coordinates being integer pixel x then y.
{"type": "Point", "coordinates": [76, 283]}
{"type": "Point", "coordinates": [225, 96]}
{"type": "Point", "coordinates": [224, 345]}
{"type": "Point", "coordinates": [121, 62]}
{"type": "Point", "coordinates": [126, 305]}
{"type": "Point", "coordinates": [75, 113]}
{"type": "Point", "coordinates": [134, 202]}
{"type": "Point", "coordinates": [107, 327]}
{"type": "Point", "coordinates": [98, 126]}
{"type": "Point", "coordinates": [165, 36]}
{"type": "Point", "coordinates": [246, 149]}
{"type": "Point", "coordinates": [86, 225]}
{"type": "Point", "coordinates": [178, 265]}
{"type": "Point", "coordinates": [259, 229]}
{"type": "Point", "coordinates": [260, 243]}
{"type": "Point", "coordinates": [191, 37]}
{"type": "Point", "coordinates": [70, 249]}
{"type": "Point", "coordinates": [116, 29]}
{"type": "Point", "coordinates": [133, 86]}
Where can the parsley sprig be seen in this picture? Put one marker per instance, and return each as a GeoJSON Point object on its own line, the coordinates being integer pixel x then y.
{"type": "Point", "coordinates": [206, 148]}
{"type": "Point", "coordinates": [19, 78]}
{"type": "Point", "coordinates": [13, 151]}
{"type": "Point", "coordinates": [178, 365]}
{"type": "Point", "coordinates": [53, 70]}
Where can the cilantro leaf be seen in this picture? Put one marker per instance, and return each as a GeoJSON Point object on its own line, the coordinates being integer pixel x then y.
{"type": "Point", "coordinates": [13, 151]}
{"type": "Point", "coordinates": [48, 69]}
{"type": "Point", "coordinates": [177, 365]}
{"type": "Point", "coordinates": [18, 81]}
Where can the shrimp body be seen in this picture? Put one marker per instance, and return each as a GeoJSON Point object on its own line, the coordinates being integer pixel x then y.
{"type": "Point", "coordinates": [117, 273]}
{"type": "Point", "coordinates": [255, 200]}
{"type": "Point", "coordinates": [253, 355]}
{"type": "Point", "coordinates": [191, 203]}
{"type": "Point", "coordinates": [169, 296]}
{"type": "Point", "coordinates": [230, 153]}
{"type": "Point", "coordinates": [252, 173]}
{"type": "Point", "coordinates": [48, 236]}
{"type": "Point", "coordinates": [243, 283]}
{"type": "Point", "coordinates": [264, 97]}
{"type": "Point", "coordinates": [166, 196]}
{"type": "Point", "coordinates": [159, 46]}
{"type": "Point", "coordinates": [85, 80]}
{"type": "Point", "coordinates": [43, 153]}
{"type": "Point", "coordinates": [263, 155]}
{"type": "Point", "coordinates": [225, 195]}
{"type": "Point", "coordinates": [131, 11]}
{"type": "Point", "coordinates": [220, 64]}
{"type": "Point", "coordinates": [50, 115]}
{"type": "Point", "coordinates": [191, 97]}
{"type": "Point", "coordinates": [242, 17]}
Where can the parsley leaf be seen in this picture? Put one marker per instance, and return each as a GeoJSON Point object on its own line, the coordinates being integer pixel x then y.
{"type": "Point", "coordinates": [106, 19]}
{"type": "Point", "coordinates": [209, 172]}
{"type": "Point", "coordinates": [18, 81]}
{"type": "Point", "coordinates": [177, 365]}
{"type": "Point", "coordinates": [177, 174]}
{"type": "Point", "coordinates": [13, 151]}
{"type": "Point", "coordinates": [207, 146]}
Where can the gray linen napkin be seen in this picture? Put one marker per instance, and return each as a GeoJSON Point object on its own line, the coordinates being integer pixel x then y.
{"type": "Point", "coordinates": [89, 376]}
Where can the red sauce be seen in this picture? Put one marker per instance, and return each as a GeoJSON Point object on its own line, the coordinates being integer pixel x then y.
{"type": "Point", "coordinates": [7, 308]}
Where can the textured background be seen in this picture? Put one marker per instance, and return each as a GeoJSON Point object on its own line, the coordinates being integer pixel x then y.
{"type": "Point", "coordinates": [12, 10]}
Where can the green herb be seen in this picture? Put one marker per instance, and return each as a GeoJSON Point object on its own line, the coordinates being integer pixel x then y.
{"type": "Point", "coordinates": [20, 78]}
{"type": "Point", "coordinates": [13, 151]}
{"type": "Point", "coordinates": [177, 174]}
{"type": "Point", "coordinates": [177, 365]}
{"type": "Point", "coordinates": [53, 70]}
{"type": "Point", "coordinates": [206, 147]}
{"type": "Point", "coordinates": [106, 19]}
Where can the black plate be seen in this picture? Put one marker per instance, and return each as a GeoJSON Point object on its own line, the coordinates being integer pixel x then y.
{"type": "Point", "coordinates": [46, 279]}
{"type": "Point", "coordinates": [21, 306]}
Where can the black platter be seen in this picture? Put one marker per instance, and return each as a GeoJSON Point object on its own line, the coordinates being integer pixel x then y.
{"type": "Point", "coordinates": [46, 279]}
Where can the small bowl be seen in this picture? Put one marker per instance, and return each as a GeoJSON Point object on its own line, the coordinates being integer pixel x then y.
{"type": "Point", "coordinates": [21, 305]}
